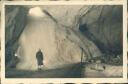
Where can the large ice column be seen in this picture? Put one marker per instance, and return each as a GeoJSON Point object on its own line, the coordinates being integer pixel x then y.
{"type": "Point", "coordinates": [39, 33]}
{"type": "Point", "coordinates": [59, 44]}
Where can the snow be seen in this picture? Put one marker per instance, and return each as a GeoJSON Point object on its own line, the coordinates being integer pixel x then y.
{"type": "Point", "coordinates": [111, 71]}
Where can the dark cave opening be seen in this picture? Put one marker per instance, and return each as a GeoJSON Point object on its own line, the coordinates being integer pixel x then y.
{"type": "Point", "coordinates": [108, 51]}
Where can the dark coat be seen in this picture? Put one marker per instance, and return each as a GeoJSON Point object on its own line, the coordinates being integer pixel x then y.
{"type": "Point", "coordinates": [39, 57]}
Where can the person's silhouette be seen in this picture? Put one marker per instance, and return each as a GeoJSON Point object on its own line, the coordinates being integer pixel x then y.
{"type": "Point", "coordinates": [39, 57]}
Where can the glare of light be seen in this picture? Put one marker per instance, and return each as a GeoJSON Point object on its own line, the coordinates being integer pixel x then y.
{"type": "Point", "coordinates": [36, 12]}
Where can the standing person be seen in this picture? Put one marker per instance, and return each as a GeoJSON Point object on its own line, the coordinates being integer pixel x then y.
{"type": "Point", "coordinates": [39, 57]}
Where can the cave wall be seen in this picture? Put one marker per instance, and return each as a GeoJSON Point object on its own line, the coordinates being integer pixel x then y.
{"type": "Point", "coordinates": [104, 26]}
{"type": "Point", "coordinates": [15, 21]}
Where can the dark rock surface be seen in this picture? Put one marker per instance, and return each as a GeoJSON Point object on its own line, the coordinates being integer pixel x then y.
{"type": "Point", "coordinates": [15, 18]}
{"type": "Point", "coordinates": [103, 25]}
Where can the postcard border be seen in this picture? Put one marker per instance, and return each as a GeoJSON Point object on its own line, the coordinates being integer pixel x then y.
{"type": "Point", "coordinates": [64, 80]}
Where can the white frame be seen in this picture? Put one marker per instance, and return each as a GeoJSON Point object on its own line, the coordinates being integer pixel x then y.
{"type": "Point", "coordinates": [64, 80]}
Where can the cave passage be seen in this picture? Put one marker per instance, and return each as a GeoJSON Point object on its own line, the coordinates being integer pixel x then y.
{"type": "Point", "coordinates": [65, 54]}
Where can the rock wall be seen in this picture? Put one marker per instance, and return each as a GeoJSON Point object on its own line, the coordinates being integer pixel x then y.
{"type": "Point", "coordinates": [15, 21]}
{"type": "Point", "coordinates": [104, 28]}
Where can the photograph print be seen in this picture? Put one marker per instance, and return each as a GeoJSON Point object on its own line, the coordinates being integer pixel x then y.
{"type": "Point", "coordinates": [63, 41]}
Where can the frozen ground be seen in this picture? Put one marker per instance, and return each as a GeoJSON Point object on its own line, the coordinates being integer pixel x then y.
{"type": "Point", "coordinates": [72, 70]}
{"type": "Point", "coordinates": [110, 71]}
{"type": "Point", "coordinates": [69, 71]}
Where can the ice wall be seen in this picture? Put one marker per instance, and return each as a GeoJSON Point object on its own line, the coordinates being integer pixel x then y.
{"type": "Point", "coordinates": [59, 45]}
